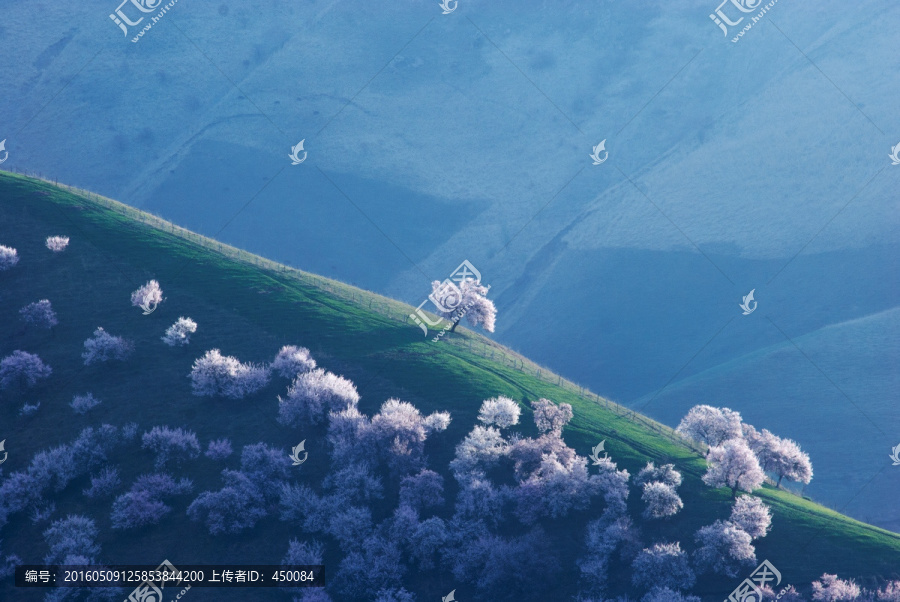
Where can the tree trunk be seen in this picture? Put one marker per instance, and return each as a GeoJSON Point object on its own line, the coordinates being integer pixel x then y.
{"type": "Point", "coordinates": [734, 492]}
{"type": "Point", "coordinates": [779, 481]}
{"type": "Point", "coordinates": [453, 328]}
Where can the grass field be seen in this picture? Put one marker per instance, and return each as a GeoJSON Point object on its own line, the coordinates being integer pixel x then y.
{"type": "Point", "coordinates": [249, 307]}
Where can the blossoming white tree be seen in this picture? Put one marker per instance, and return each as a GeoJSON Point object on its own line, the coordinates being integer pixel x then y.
{"type": "Point", "coordinates": [733, 465]}
{"type": "Point", "coordinates": [502, 411]}
{"type": "Point", "coordinates": [663, 565]}
{"type": "Point", "coordinates": [831, 589]}
{"type": "Point", "coordinates": [550, 417]}
{"type": "Point", "coordinates": [313, 394]}
{"type": "Point", "coordinates": [8, 257]}
{"type": "Point", "coordinates": [662, 474]}
{"type": "Point", "coordinates": [40, 313]}
{"type": "Point", "coordinates": [469, 299]}
{"type": "Point", "coordinates": [781, 456]}
{"type": "Point", "coordinates": [57, 244]}
{"type": "Point", "coordinates": [661, 500]}
{"type": "Point", "coordinates": [102, 347]}
{"type": "Point", "coordinates": [179, 333]}
{"type": "Point", "coordinates": [724, 549]}
{"type": "Point", "coordinates": [148, 296]}
{"type": "Point", "coordinates": [752, 515]}
{"type": "Point", "coordinates": [710, 425]}
{"type": "Point", "coordinates": [217, 374]}
{"type": "Point", "coordinates": [292, 360]}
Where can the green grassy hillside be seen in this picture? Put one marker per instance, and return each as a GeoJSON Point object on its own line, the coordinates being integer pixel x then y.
{"type": "Point", "coordinates": [249, 307]}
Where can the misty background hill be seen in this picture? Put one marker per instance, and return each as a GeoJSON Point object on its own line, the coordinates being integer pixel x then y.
{"type": "Point", "coordinates": [435, 138]}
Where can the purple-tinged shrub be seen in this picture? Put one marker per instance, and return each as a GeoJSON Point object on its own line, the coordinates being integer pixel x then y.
{"type": "Point", "coordinates": [20, 490]}
{"type": "Point", "coordinates": [725, 549]}
{"type": "Point", "coordinates": [437, 422]}
{"type": "Point", "coordinates": [103, 484]}
{"type": "Point", "coordinates": [481, 449]}
{"type": "Point", "coordinates": [93, 446]}
{"type": "Point", "coordinates": [312, 395]}
{"type": "Point", "coordinates": [398, 432]}
{"type": "Point", "coordinates": [304, 554]}
{"type": "Point", "coordinates": [752, 515]}
{"type": "Point", "coordinates": [179, 333]}
{"type": "Point", "coordinates": [663, 474]}
{"type": "Point", "coordinates": [889, 593]}
{"type": "Point", "coordinates": [346, 432]}
{"type": "Point", "coordinates": [143, 504]}
{"type": "Point", "coordinates": [42, 512]}
{"type": "Point", "coordinates": [21, 369]}
{"type": "Point", "coordinates": [266, 466]}
{"type": "Point", "coordinates": [104, 347]}
{"type": "Point", "coordinates": [422, 490]}
{"type": "Point", "coordinates": [29, 409]}
{"type": "Point", "coordinates": [56, 466]}
{"type": "Point", "coordinates": [604, 536]}
{"type": "Point", "coordinates": [74, 535]}
{"type": "Point", "coordinates": [664, 594]}
{"type": "Point", "coordinates": [556, 489]}
{"type": "Point", "coordinates": [9, 257]}
{"type": "Point", "coordinates": [8, 566]}
{"type": "Point", "coordinates": [394, 594]}
{"type": "Point", "coordinates": [218, 449]}
{"type": "Point", "coordinates": [550, 417]}
{"type": "Point", "coordinates": [663, 565]}
{"type": "Point", "coordinates": [829, 588]}
{"type": "Point", "coordinates": [500, 411]}
{"type": "Point", "coordinates": [148, 296]}
{"type": "Point", "coordinates": [356, 483]}
{"type": "Point", "coordinates": [57, 244]}
{"type": "Point", "coordinates": [83, 403]}
{"type": "Point", "coordinates": [40, 314]}
{"type": "Point", "coordinates": [661, 500]}
{"type": "Point", "coordinates": [232, 509]}
{"type": "Point", "coordinates": [292, 361]}
{"type": "Point", "coordinates": [376, 565]}
{"type": "Point", "coordinates": [426, 541]}
{"type": "Point", "coordinates": [129, 431]}
{"type": "Point", "coordinates": [350, 526]}
{"type": "Point", "coordinates": [168, 444]}
{"type": "Point", "coordinates": [215, 374]}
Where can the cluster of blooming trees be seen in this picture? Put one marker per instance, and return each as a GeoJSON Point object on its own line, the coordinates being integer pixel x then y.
{"type": "Point", "coordinates": [659, 485]}
{"type": "Point", "coordinates": [215, 374]}
{"type": "Point", "coordinates": [83, 403]}
{"type": "Point", "coordinates": [738, 455]}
